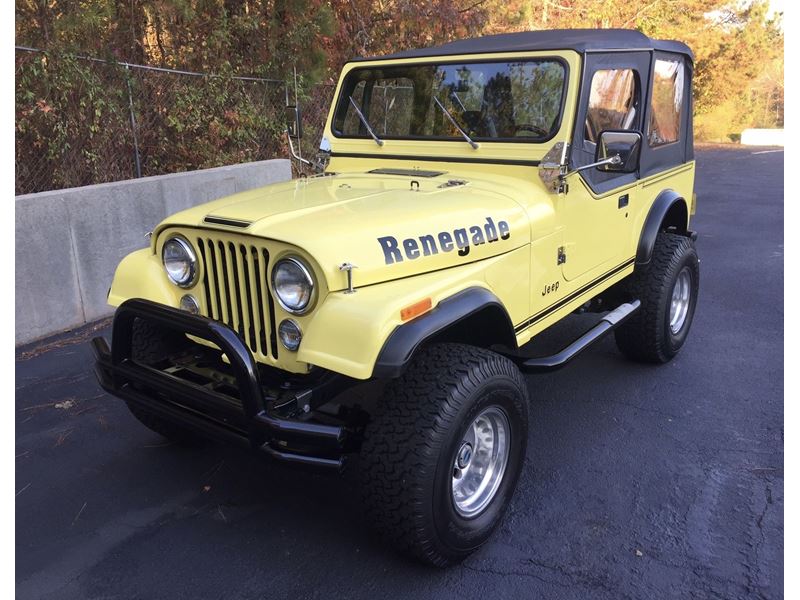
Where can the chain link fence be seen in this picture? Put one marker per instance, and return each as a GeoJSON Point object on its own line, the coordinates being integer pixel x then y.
{"type": "Point", "coordinates": [81, 121]}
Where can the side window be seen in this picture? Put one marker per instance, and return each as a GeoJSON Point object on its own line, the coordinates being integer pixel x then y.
{"type": "Point", "coordinates": [666, 103]}
{"type": "Point", "coordinates": [613, 102]}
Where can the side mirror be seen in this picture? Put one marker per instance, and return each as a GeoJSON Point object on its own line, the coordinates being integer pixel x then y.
{"type": "Point", "coordinates": [294, 131]}
{"type": "Point", "coordinates": [625, 144]}
{"type": "Point", "coordinates": [294, 124]}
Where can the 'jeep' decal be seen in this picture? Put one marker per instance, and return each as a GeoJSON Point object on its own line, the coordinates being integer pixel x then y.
{"type": "Point", "coordinates": [445, 241]}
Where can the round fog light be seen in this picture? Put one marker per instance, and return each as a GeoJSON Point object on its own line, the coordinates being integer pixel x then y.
{"type": "Point", "coordinates": [189, 304]}
{"type": "Point", "coordinates": [290, 334]}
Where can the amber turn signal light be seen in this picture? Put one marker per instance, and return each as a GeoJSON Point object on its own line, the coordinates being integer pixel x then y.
{"type": "Point", "coordinates": [416, 309]}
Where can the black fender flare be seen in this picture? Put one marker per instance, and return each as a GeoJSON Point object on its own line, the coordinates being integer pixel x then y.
{"type": "Point", "coordinates": [474, 302]}
{"type": "Point", "coordinates": [668, 210]}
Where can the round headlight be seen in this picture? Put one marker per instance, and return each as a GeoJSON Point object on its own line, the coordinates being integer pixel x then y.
{"type": "Point", "coordinates": [180, 261]}
{"type": "Point", "coordinates": [293, 285]}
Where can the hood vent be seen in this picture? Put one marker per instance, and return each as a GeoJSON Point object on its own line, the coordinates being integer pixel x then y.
{"type": "Point", "coordinates": [407, 172]}
{"type": "Point", "coordinates": [227, 222]}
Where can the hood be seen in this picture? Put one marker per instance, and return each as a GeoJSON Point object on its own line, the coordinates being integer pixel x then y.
{"type": "Point", "coordinates": [387, 226]}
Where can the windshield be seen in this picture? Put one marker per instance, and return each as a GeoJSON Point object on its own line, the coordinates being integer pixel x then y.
{"type": "Point", "coordinates": [490, 101]}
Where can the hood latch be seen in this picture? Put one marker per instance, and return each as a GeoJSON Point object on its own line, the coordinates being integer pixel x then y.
{"type": "Point", "coordinates": [348, 268]}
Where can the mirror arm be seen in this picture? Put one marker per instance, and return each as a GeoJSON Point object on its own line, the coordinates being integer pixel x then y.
{"type": "Point", "coordinates": [300, 159]}
{"type": "Point", "coordinates": [611, 160]}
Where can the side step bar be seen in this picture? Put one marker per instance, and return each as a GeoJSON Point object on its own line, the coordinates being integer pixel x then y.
{"type": "Point", "coordinates": [606, 325]}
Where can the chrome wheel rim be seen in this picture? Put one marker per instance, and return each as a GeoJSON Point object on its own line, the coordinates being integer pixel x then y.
{"type": "Point", "coordinates": [681, 294]}
{"type": "Point", "coordinates": [480, 462]}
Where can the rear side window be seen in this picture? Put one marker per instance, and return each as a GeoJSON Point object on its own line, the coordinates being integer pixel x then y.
{"type": "Point", "coordinates": [613, 102]}
{"type": "Point", "coordinates": [666, 103]}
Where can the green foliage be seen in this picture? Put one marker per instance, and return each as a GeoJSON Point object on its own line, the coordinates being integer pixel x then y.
{"type": "Point", "coordinates": [192, 123]}
{"type": "Point", "coordinates": [734, 44]}
{"type": "Point", "coordinates": [63, 111]}
{"type": "Point", "coordinates": [73, 116]}
{"type": "Point", "coordinates": [73, 121]}
{"type": "Point", "coordinates": [250, 37]}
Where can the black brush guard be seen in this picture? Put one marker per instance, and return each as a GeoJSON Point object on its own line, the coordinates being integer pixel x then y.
{"type": "Point", "coordinates": [247, 416]}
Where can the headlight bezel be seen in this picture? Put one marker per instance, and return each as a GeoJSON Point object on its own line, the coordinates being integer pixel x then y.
{"type": "Point", "coordinates": [308, 275]}
{"type": "Point", "coordinates": [187, 247]}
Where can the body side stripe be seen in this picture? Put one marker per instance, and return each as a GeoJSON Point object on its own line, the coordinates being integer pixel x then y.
{"type": "Point", "coordinates": [560, 303]}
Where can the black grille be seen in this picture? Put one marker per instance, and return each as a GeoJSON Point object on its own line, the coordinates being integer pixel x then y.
{"type": "Point", "coordinates": [235, 283]}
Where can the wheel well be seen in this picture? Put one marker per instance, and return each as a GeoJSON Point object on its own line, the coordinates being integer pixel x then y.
{"type": "Point", "coordinates": [488, 327]}
{"type": "Point", "coordinates": [474, 316]}
{"type": "Point", "coordinates": [676, 218]}
{"type": "Point", "coordinates": [668, 212]}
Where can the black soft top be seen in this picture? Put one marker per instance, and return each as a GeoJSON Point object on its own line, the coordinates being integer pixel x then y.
{"type": "Point", "coordinates": [581, 40]}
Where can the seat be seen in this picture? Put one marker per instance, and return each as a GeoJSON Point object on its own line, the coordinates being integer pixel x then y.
{"type": "Point", "coordinates": [497, 109]}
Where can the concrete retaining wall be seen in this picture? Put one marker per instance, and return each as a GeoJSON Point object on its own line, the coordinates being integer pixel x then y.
{"type": "Point", "coordinates": [69, 242]}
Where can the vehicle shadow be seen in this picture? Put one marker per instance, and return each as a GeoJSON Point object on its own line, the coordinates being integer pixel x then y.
{"type": "Point", "coordinates": [276, 521]}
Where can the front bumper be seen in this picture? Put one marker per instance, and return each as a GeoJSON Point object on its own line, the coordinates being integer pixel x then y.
{"type": "Point", "coordinates": [233, 403]}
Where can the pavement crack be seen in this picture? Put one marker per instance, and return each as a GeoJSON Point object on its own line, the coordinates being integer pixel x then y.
{"type": "Point", "coordinates": [548, 567]}
{"type": "Point", "coordinates": [753, 579]}
{"type": "Point", "coordinates": [642, 408]}
{"type": "Point", "coordinates": [767, 504]}
{"type": "Point", "coordinates": [565, 579]}
{"type": "Point", "coordinates": [515, 572]}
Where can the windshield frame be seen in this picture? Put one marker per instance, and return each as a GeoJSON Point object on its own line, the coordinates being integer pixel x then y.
{"type": "Point", "coordinates": [342, 99]}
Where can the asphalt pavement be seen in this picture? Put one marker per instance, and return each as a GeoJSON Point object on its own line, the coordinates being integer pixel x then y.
{"type": "Point", "coordinates": [639, 482]}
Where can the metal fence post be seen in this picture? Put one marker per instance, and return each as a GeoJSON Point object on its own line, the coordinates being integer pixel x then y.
{"type": "Point", "coordinates": [133, 123]}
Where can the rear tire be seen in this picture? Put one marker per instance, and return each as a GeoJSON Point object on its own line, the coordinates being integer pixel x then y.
{"type": "Point", "coordinates": [456, 420]}
{"type": "Point", "coordinates": [667, 288]}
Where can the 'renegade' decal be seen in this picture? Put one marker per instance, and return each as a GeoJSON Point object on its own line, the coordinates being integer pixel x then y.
{"type": "Point", "coordinates": [444, 241]}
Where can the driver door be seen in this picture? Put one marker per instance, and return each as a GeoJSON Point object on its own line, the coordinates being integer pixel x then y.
{"type": "Point", "coordinates": [598, 208]}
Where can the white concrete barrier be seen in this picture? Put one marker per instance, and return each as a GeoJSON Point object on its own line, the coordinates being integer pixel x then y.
{"type": "Point", "coordinates": [762, 137]}
{"type": "Point", "coordinates": [69, 242]}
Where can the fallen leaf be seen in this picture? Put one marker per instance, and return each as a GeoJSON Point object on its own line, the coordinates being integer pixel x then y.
{"type": "Point", "coordinates": [62, 436]}
{"type": "Point", "coordinates": [80, 512]}
{"type": "Point", "coordinates": [639, 553]}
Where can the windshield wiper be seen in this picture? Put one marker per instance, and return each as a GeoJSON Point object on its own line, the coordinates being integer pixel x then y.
{"type": "Point", "coordinates": [454, 96]}
{"type": "Point", "coordinates": [378, 140]}
{"type": "Point", "coordinates": [470, 141]}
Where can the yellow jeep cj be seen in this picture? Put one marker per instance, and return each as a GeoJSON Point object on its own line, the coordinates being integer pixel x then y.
{"type": "Point", "coordinates": [469, 196]}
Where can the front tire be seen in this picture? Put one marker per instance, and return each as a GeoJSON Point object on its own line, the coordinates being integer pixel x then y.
{"type": "Point", "coordinates": [150, 345]}
{"type": "Point", "coordinates": [441, 460]}
{"type": "Point", "coordinates": [667, 288]}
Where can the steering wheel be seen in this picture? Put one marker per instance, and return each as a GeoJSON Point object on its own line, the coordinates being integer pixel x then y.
{"type": "Point", "coordinates": [532, 128]}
